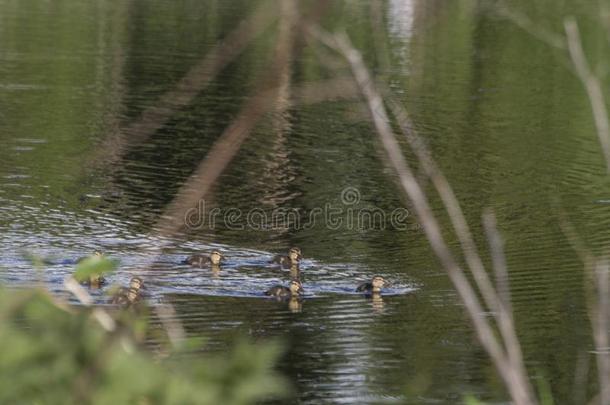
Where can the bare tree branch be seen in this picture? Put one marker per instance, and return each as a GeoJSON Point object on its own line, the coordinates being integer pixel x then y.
{"type": "Point", "coordinates": [592, 85]}
{"type": "Point", "coordinates": [102, 317]}
{"type": "Point", "coordinates": [187, 88]}
{"type": "Point", "coordinates": [527, 25]}
{"type": "Point", "coordinates": [597, 296]}
{"type": "Point", "coordinates": [515, 381]}
{"type": "Point", "coordinates": [600, 330]}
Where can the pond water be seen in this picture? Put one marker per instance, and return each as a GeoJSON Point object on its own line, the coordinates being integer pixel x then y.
{"type": "Point", "coordinates": [505, 118]}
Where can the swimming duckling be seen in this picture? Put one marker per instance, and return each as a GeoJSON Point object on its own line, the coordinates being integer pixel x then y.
{"type": "Point", "coordinates": [201, 261]}
{"type": "Point", "coordinates": [372, 287]}
{"type": "Point", "coordinates": [280, 291]}
{"type": "Point", "coordinates": [129, 296]}
{"type": "Point", "coordinates": [293, 258]}
{"type": "Point", "coordinates": [94, 281]}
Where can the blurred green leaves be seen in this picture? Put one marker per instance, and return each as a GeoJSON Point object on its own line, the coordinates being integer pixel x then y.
{"type": "Point", "coordinates": [53, 354]}
{"type": "Point", "coordinates": [93, 267]}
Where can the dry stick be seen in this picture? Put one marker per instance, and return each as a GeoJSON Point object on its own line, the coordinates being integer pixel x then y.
{"type": "Point", "coordinates": [502, 314]}
{"type": "Point", "coordinates": [217, 159]}
{"type": "Point", "coordinates": [527, 25]}
{"type": "Point", "coordinates": [591, 82]}
{"type": "Point", "coordinates": [83, 296]}
{"type": "Point", "coordinates": [196, 187]}
{"type": "Point", "coordinates": [450, 201]}
{"type": "Point", "coordinates": [500, 306]}
{"type": "Point", "coordinates": [496, 247]}
{"type": "Point", "coordinates": [187, 88]}
{"type": "Point", "coordinates": [596, 283]}
{"type": "Point", "coordinates": [577, 245]}
{"type": "Point", "coordinates": [340, 88]}
{"type": "Point", "coordinates": [227, 145]}
{"type": "Point", "coordinates": [601, 332]}
{"type": "Point", "coordinates": [592, 86]}
{"type": "Point", "coordinates": [173, 327]}
{"type": "Point", "coordinates": [225, 148]}
{"type": "Point", "coordinates": [506, 322]}
{"type": "Point", "coordinates": [452, 204]}
{"type": "Point", "coordinates": [496, 304]}
{"type": "Point", "coordinates": [517, 385]}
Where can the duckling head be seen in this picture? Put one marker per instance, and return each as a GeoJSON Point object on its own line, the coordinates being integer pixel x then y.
{"type": "Point", "coordinates": [135, 283]}
{"type": "Point", "coordinates": [97, 254]}
{"type": "Point", "coordinates": [378, 282]}
{"type": "Point", "coordinates": [295, 254]}
{"type": "Point", "coordinates": [296, 288]}
{"type": "Point", "coordinates": [216, 257]}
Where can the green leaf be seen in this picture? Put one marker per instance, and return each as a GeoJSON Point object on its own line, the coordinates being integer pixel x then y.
{"type": "Point", "coordinates": [94, 266]}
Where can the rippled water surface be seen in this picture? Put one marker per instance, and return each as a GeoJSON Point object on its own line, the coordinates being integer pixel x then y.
{"type": "Point", "coordinates": [87, 164]}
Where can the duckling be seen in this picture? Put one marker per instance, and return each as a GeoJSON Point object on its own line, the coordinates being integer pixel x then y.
{"type": "Point", "coordinates": [280, 291]}
{"type": "Point", "coordinates": [372, 287]}
{"type": "Point", "coordinates": [129, 296]}
{"type": "Point", "coordinates": [293, 258]}
{"type": "Point", "coordinates": [201, 261]}
{"type": "Point", "coordinates": [94, 281]}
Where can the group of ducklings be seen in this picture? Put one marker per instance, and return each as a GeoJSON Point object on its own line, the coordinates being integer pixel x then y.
{"type": "Point", "coordinates": [133, 294]}
{"type": "Point", "coordinates": [124, 297]}
{"type": "Point", "coordinates": [290, 261]}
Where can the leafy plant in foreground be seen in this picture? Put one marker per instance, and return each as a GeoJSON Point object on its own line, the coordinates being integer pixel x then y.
{"type": "Point", "coordinates": [56, 354]}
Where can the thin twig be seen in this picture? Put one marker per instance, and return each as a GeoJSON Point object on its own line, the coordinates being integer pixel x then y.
{"type": "Point", "coordinates": [101, 316]}
{"type": "Point", "coordinates": [222, 152]}
{"type": "Point", "coordinates": [506, 320]}
{"type": "Point", "coordinates": [496, 247]}
{"type": "Point", "coordinates": [228, 144]}
{"type": "Point", "coordinates": [187, 88]}
{"type": "Point", "coordinates": [172, 325]}
{"type": "Point", "coordinates": [500, 306]}
{"type": "Point", "coordinates": [450, 201]}
{"type": "Point", "coordinates": [597, 299]}
{"type": "Point", "coordinates": [527, 25]}
{"type": "Point", "coordinates": [592, 85]}
{"type": "Point", "coordinates": [516, 383]}
{"type": "Point", "coordinates": [600, 330]}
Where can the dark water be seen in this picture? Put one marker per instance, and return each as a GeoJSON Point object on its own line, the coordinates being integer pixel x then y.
{"type": "Point", "coordinates": [505, 118]}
